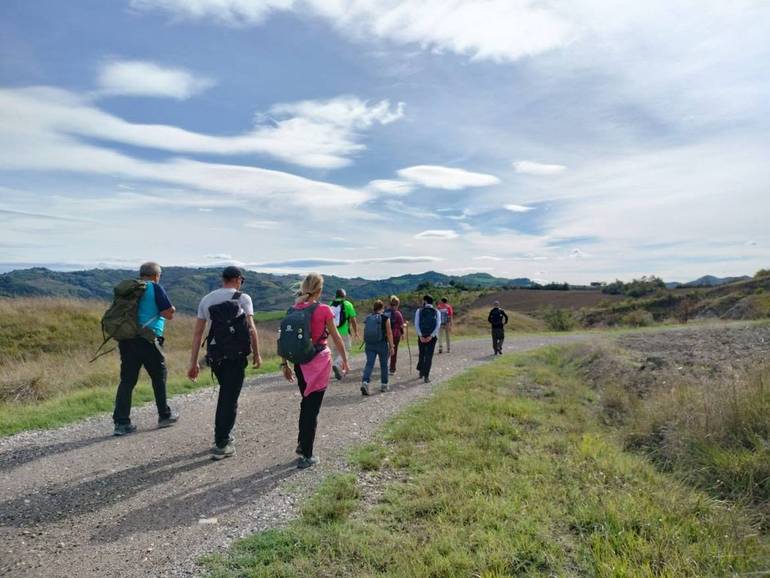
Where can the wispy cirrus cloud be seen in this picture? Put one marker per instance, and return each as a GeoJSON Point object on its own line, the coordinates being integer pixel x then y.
{"type": "Point", "coordinates": [391, 187]}
{"type": "Point", "coordinates": [141, 78]}
{"type": "Point", "coordinates": [538, 169]}
{"type": "Point", "coordinates": [517, 208]}
{"type": "Point", "coordinates": [448, 178]}
{"type": "Point", "coordinates": [497, 30]}
{"type": "Point", "coordinates": [325, 262]}
{"type": "Point", "coordinates": [321, 134]}
{"type": "Point", "coordinates": [437, 234]}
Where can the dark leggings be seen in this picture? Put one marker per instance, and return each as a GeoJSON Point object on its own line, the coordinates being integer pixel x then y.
{"type": "Point", "coordinates": [394, 353]}
{"type": "Point", "coordinates": [308, 414]}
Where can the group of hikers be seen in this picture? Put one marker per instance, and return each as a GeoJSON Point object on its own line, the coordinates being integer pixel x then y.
{"type": "Point", "coordinates": [137, 317]}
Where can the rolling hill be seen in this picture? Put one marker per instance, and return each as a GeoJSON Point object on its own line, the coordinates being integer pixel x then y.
{"type": "Point", "coordinates": [186, 285]}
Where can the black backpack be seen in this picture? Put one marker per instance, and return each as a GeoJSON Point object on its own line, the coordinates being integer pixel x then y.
{"type": "Point", "coordinates": [228, 336]}
{"type": "Point", "coordinates": [496, 317]}
{"type": "Point", "coordinates": [295, 343]}
{"type": "Point", "coordinates": [340, 315]}
{"type": "Point", "coordinates": [428, 321]}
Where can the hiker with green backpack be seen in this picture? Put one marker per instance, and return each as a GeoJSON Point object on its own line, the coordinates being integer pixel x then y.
{"type": "Point", "coordinates": [302, 341]}
{"type": "Point", "coordinates": [378, 341]}
{"type": "Point", "coordinates": [136, 320]}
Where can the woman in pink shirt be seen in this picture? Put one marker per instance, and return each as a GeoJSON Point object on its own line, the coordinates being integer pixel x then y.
{"type": "Point", "coordinates": [313, 376]}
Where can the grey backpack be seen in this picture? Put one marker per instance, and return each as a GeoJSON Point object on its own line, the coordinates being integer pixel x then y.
{"type": "Point", "coordinates": [374, 332]}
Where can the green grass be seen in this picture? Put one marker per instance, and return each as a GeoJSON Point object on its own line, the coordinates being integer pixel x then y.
{"type": "Point", "coordinates": [505, 472]}
{"type": "Point", "coordinates": [80, 403]}
{"type": "Point", "coordinates": [263, 316]}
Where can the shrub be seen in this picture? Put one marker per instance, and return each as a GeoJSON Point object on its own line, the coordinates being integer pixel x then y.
{"type": "Point", "coordinates": [638, 318]}
{"type": "Point", "coordinates": [558, 319]}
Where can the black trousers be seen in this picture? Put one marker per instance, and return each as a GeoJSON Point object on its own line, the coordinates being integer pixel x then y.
{"type": "Point", "coordinates": [308, 414]}
{"type": "Point", "coordinates": [425, 360]}
{"type": "Point", "coordinates": [135, 354]}
{"type": "Point", "coordinates": [498, 335]}
{"type": "Point", "coordinates": [230, 374]}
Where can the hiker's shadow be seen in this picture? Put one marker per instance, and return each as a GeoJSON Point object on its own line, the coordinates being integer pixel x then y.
{"type": "Point", "coordinates": [15, 458]}
{"type": "Point", "coordinates": [71, 499]}
{"type": "Point", "coordinates": [210, 500]}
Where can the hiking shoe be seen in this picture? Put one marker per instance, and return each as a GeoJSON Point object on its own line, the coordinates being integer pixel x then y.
{"type": "Point", "coordinates": [298, 451]}
{"type": "Point", "coordinates": [365, 388]}
{"type": "Point", "coordinates": [218, 453]}
{"type": "Point", "coordinates": [427, 379]}
{"type": "Point", "coordinates": [337, 372]}
{"type": "Point", "coordinates": [304, 462]}
{"type": "Point", "coordinates": [172, 418]}
{"type": "Point", "coordinates": [392, 372]}
{"type": "Point", "coordinates": [440, 350]}
{"type": "Point", "coordinates": [123, 429]}
{"type": "Point", "coordinates": [385, 387]}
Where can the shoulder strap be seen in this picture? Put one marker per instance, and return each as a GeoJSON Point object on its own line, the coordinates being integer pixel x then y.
{"type": "Point", "coordinates": [236, 295]}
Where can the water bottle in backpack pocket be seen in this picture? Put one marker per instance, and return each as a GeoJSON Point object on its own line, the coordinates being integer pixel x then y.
{"type": "Point", "coordinates": [228, 336]}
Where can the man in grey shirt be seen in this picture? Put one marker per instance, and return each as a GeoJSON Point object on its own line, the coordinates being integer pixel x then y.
{"type": "Point", "coordinates": [226, 307]}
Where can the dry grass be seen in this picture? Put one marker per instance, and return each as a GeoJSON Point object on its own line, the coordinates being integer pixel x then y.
{"type": "Point", "coordinates": [474, 322]}
{"type": "Point", "coordinates": [46, 346]}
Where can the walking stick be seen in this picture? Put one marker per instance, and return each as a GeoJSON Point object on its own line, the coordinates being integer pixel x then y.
{"type": "Point", "coordinates": [408, 348]}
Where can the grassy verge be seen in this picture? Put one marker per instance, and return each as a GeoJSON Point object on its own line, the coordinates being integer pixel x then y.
{"type": "Point", "coordinates": [506, 471]}
{"type": "Point", "coordinates": [77, 404]}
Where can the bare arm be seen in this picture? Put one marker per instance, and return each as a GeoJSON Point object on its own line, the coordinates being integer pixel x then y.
{"type": "Point", "coordinates": [353, 327]}
{"type": "Point", "coordinates": [254, 336]}
{"type": "Point", "coordinates": [168, 313]}
{"type": "Point", "coordinates": [389, 333]}
{"type": "Point", "coordinates": [194, 370]}
{"type": "Point", "coordinates": [331, 329]}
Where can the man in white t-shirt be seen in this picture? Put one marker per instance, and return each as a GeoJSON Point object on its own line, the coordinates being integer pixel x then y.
{"type": "Point", "coordinates": [232, 336]}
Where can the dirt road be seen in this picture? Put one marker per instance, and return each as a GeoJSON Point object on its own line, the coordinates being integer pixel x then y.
{"type": "Point", "coordinates": [77, 502]}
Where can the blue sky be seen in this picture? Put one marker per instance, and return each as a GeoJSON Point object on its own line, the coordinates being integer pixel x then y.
{"type": "Point", "coordinates": [562, 140]}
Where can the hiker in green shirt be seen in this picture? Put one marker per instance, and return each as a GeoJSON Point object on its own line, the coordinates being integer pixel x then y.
{"type": "Point", "coordinates": [345, 320]}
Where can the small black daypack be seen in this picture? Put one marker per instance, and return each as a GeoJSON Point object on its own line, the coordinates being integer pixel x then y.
{"type": "Point", "coordinates": [428, 321]}
{"type": "Point", "coordinates": [228, 336]}
{"type": "Point", "coordinates": [340, 315]}
{"type": "Point", "coordinates": [295, 343]}
{"type": "Point", "coordinates": [496, 317]}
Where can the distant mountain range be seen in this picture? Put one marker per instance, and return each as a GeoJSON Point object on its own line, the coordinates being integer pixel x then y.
{"type": "Point", "coordinates": [709, 281]}
{"type": "Point", "coordinates": [187, 285]}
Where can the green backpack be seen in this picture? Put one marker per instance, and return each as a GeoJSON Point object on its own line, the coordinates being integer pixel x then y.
{"type": "Point", "coordinates": [120, 321]}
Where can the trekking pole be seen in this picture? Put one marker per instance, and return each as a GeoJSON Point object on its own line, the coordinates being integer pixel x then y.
{"type": "Point", "coordinates": [408, 348]}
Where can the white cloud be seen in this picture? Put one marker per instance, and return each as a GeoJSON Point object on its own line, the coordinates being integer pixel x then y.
{"type": "Point", "coordinates": [517, 208]}
{"type": "Point", "coordinates": [36, 133]}
{"type": "Point", "coordinates": [498, 30]}
{"type": "Point", "coordinates": [448, 178]}
{"type": "Point", "coordinates": [263, 224]}
{"type": "Point", "coordinates": [391, 187]}
{"type": "Point", "coordinates": [487, 258]}
{"type": "Point", "coordinates": [322, 134]}
{"type": "Point", "coordinates": [437, 234]}
{"type": "Point", "coordinates": [230, 12]}
{"type": "Point", "coordinates": [538, 169]}
{"type": "Point", "coordinates": [138, 78]}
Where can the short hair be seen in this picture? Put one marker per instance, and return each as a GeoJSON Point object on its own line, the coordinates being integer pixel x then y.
{"type": "Point", "coordinates": [428, 299]}
{"type": "Point", "coordinates": [149, 269]}
{"type": "Point", "coordinates": [378, 305]}
{"type": "Point", "coordinates": [394, 301]}
{"type": "Point", "coordinates": [443, 300]}
{"type": "Point", "coordinates": [496, 304]}
{"type": "Point", "coordinates": [341, 293]}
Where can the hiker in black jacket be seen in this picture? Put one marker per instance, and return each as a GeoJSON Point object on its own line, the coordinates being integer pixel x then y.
{"type": "Point", "coordinates": [497, 319]}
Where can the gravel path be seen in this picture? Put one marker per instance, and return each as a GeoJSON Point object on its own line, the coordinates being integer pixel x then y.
{"type": "Point", "coordinates": [77, 502]}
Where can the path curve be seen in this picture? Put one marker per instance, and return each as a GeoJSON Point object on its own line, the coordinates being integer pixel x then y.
{"type": "Point", "coordinates": [77, 502]}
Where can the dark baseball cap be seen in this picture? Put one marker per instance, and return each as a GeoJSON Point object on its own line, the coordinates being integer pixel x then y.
{"type": "Point", "coordinates": [232, 272]}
